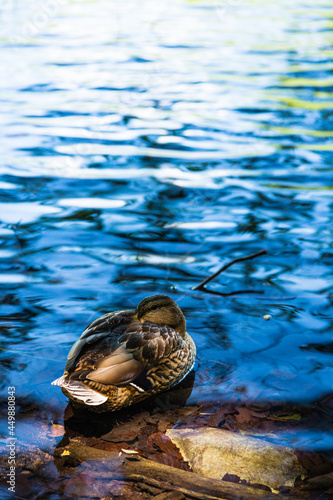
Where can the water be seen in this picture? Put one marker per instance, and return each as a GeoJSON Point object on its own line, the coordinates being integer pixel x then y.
{"type": "Point", "coordinates": [143, 146]}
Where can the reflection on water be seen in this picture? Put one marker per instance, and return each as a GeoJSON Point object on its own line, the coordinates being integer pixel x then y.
{"type": "Point", "coordinates": [145, 144]}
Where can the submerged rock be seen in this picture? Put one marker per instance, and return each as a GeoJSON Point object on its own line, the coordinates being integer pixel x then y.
{"type": "Point", "coordinates": [216, 452]}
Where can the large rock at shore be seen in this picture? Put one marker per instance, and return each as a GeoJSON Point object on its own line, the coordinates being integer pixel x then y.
{"type": "Point", "coordinates": [216, 452]}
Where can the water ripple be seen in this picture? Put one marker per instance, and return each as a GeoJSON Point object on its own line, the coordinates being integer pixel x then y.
{"type": "Point", "coordinates": [146, 147]}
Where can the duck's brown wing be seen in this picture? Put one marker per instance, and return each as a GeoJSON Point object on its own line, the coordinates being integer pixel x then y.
{"type": "Point", "coordinates": [149, 341]}
{"type": "Point", "coordinates": [111, 325]}
{"type": "Point", "coordinates": [99, 357]}
{"type": "Point", "coordinates": [141, 346]}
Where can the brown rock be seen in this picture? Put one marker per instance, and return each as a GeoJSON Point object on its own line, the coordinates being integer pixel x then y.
{"type": "Point", "coordinates": [319, 482]}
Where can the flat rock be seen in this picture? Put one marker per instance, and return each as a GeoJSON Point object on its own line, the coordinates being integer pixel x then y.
{"type": "Point", "coordinates": [217, 452]}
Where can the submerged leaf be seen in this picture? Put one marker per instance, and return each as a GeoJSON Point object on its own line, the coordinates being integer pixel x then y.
{"type": "Point", "coordinates": [294, 416]}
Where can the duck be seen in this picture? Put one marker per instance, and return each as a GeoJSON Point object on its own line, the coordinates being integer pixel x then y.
{"type": "Point", "coordinates": [126, 356]}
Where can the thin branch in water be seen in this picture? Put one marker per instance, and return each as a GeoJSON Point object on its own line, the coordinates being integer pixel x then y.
{"type": "Point", "coordinates": [221, 294]}
{"type": "Point", "coordinates": [201, 286]}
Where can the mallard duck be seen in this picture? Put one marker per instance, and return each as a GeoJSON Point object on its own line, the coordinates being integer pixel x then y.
{"type": "Point", "coordinates": [125, 356]}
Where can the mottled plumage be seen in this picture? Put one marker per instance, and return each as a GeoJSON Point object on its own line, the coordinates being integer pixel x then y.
{"type": "Point", "coordinates": [125, 356]}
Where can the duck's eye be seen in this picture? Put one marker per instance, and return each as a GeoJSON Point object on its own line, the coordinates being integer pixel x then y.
{"type": "Point", "coordinates": [153, 308]}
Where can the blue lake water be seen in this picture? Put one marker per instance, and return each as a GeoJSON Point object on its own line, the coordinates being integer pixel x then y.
{"type": "Point", "coordinates": [144, 145]}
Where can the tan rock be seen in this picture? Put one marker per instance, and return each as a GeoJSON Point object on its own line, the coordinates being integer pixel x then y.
{"type": "Point", "coordinates": [216, 452]}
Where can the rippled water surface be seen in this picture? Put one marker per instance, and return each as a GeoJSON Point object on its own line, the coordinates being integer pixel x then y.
{"type": "Point", "coordinates": [144, 145]}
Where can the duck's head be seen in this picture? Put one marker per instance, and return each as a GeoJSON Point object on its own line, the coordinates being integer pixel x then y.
{"type": "Point", "coordinates": [162, 310]}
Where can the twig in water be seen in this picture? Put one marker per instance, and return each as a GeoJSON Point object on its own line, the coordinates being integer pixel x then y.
{"type": "Point", "coordinates": [201, 286]}
{"type": "Point", "coordinates": [230, 294]}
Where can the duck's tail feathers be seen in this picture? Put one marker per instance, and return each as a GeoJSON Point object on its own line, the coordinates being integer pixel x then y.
{"type": "Point", "coordinates": [59, 381]}
{"type": "Point", "coordinates": [80, 391]}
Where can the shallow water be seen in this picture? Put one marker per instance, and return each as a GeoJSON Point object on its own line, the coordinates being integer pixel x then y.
{"type": "Point", "coordinates": [143, 146]}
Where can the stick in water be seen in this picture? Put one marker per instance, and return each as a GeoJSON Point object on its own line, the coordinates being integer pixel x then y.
{"type": "Point", "coordinates": [226, 266]}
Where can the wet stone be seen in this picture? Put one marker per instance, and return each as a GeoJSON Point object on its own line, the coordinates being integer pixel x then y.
{"type": "Point", "coordinates": [216, 452]}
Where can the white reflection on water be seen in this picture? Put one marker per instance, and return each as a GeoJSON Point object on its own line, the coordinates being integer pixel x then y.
{"type": "Point", "coordinates": [23, 213]}
{"type": "Point", "coordinates": [91, 203]}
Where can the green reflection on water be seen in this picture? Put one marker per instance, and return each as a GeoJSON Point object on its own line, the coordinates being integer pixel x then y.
{"type": "Point", "coordinates": [307, 82]}
{"type": "Point", "coordinates": [293, 102]}
{"type": "Point", "coordinates": [300, 131]}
